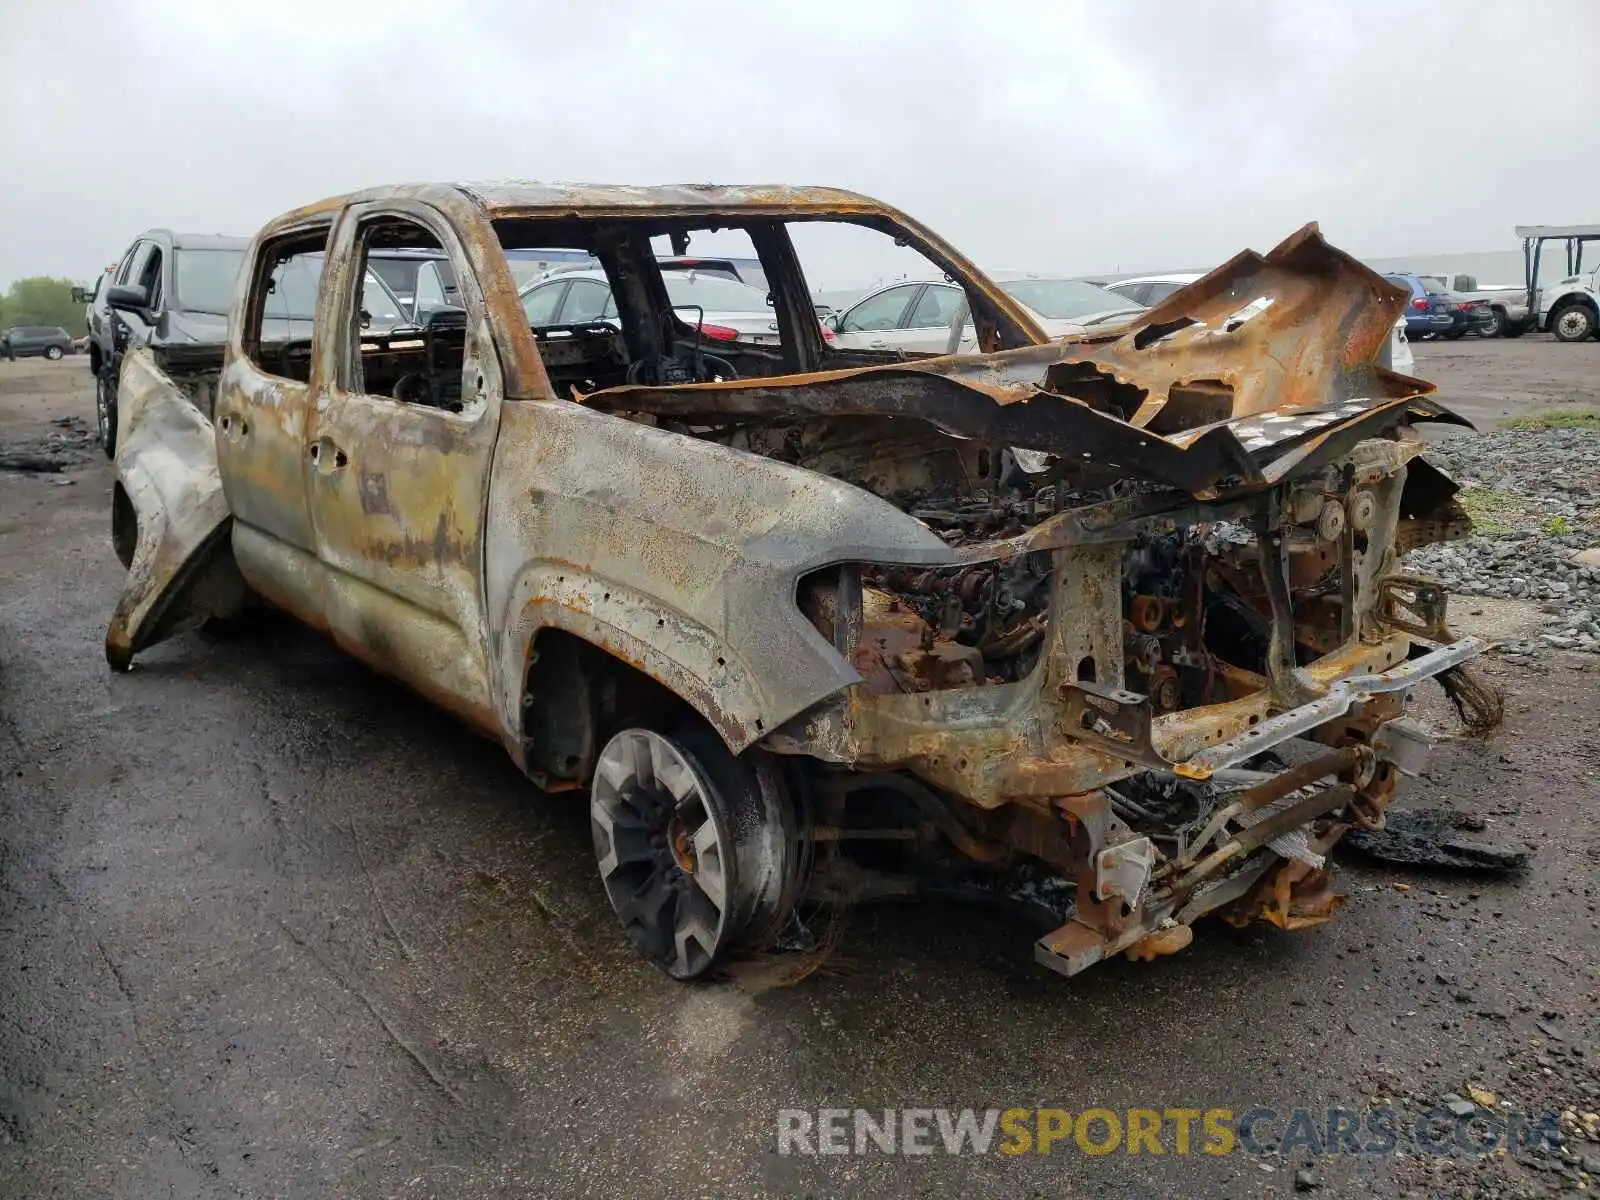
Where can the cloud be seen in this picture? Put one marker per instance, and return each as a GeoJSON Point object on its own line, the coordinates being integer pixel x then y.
{"type": "Point", "coordinates": [1069, 137]}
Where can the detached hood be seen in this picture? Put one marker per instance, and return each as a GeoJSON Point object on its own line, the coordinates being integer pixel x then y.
{"type": "Point", "coordinates": [1262, 369]}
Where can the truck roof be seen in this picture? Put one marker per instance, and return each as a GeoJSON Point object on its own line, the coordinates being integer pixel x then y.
{"type": "Point", "coordinates": [525, 198]}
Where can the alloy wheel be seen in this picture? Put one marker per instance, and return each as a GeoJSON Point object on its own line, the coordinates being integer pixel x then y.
{"type": "Point", "coordinates": [666, 856]}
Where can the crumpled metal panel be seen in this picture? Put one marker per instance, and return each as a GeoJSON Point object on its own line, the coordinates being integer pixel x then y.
{"type": "Point", "coordinates": [1299, 327]}
{"type": "Point", "coordinates": [680, 555]}
{"type": "Point", "coordinates": [1290, 337]}
{"type": "Point", "coordinates": [182, 571]}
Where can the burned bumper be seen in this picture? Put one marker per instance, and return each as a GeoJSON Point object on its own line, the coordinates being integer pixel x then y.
{"type": "Point", "coordinates": [1260, 854]}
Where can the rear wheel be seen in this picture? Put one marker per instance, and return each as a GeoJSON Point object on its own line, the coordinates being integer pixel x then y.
{"type": "Point", "coordinates": [1573, 323]}
{"type": "Point", "coordinates": [1496, 326]}
{"type": "Point", "coordinates": [696, 847]}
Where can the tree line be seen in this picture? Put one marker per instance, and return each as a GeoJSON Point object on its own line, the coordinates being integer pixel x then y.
{"type": "Point", "coordinates": [42, 300]}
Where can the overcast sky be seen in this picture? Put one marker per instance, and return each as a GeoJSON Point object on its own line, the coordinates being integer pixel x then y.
{"type": "Point", "coordinates": [1052, 137]}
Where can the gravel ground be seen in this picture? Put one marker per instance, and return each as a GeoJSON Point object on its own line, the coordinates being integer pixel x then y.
{"type": "Point", "coordinates": [1535, 495]}
{"type": "Point", "coordinates": [269, 927]}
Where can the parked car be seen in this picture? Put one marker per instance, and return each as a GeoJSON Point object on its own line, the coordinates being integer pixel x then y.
{"type": "Point", "coordinates": [1063, 307]}
{"type": "Point", "coordinates": [786, 615]}
{"type": "Point", "coordinates": [723, 309]}
{"type": "Point", "coordinates": [1150, 290]}
{"type": "Point", "coordinates": [421, 279]}
{"type": "Point", "coordinates": [905, 317]}
{"type": "Point", "coordinates": [1507, 303]}
{"type": "Point", "coordinates": [173, 291]}
{"type": "Point", "coordinates": [1430, 312]}
{"type": "Point", "coordinates": [35, 341]}
{"type": "Point", "coordinates": [931, 317]}
{"type": "Point", "coordinates": [745, 270]}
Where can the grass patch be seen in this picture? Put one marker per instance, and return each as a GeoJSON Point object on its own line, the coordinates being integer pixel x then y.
{"type": "Point", "coordinates": [1558, 526]}
{"type": "Point", "coordinates": [1557, 418]}
{"type": "Point", "coordinates": [1491, 511]}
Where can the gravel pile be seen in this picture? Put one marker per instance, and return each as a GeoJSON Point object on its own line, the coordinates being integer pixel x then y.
{"type": "Point", "coordinates": [1535, 500]}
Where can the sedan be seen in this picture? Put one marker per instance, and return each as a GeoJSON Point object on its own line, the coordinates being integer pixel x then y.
{"type": "Point", "coordinates": [1062, 307]}
{"type": "Point", "coordinates": [1434, 311]}
{"type": "Point", "coordinates": [723, 309]}
{"type": "Point", "coordinates": [920, 317]}
{"type": "Point", "coordinates": [1150, 290]}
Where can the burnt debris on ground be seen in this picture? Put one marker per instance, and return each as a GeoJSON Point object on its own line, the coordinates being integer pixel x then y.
{"type": "Point", "coordinates": [1434, 837]}
{"type": "Point", "coordinates": [69, 443]}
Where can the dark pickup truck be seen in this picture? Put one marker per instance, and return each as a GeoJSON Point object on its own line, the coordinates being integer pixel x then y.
{"type": "Point", "coordinates": [167, 291]}
{"type": "Point", "coordinates": [173, 292]}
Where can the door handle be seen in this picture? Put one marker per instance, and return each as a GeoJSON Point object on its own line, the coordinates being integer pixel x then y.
{"type": "Point", "coordinates": [326, 456]}
{"type": "Point", "coordinates": [880, 344]}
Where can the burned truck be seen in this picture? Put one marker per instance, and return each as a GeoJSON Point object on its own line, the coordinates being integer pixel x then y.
{"type": "Point", "coordinates": [1112, 626]}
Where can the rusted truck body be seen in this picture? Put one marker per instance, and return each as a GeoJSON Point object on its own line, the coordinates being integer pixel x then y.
{"type": "Point", "coordinates": [1113, 625]}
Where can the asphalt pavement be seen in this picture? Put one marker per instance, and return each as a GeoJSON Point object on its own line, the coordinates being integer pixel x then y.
{"type": "Point", "coordinates": [270, 926]}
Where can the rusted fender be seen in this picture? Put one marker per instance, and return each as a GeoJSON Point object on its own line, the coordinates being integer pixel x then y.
{"type": "Point", "coordinates": [182, 569]}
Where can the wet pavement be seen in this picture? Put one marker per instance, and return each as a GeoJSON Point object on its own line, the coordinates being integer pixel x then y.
{"type": "Point", "coordinates": [270, 926]}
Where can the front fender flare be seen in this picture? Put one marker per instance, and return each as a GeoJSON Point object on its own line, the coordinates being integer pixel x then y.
{"type": "Point", "coordinates": [710, 673]}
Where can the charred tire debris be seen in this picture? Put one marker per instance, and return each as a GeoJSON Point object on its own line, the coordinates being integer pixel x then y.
{"type": "Point", "coordinates": [1111, 628]}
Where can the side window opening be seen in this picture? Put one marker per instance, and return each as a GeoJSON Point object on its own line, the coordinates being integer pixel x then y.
{"type": "Point", "coordinates": [716, 284]}
{"type": "Point", "coordinates": [672, 301]}
{"type": "Point", "coordinates": [565, 291]}
{"type": "Point", "coordinates": [420, 364]}
{"type": "Point", "coordinates": [278, 333]}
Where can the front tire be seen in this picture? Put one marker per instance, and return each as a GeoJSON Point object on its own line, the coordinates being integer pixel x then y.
{"type": "Point", "coordinates": [1573, 323]}
{"type": "Point", "coordinates": [696, 847]}
{"type": "Point", "coordinates": [53, 353]}
{"type": "Point", "coordinates": [1496, 326]}
{"type": "Point", "coordinates": [105, 412]}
